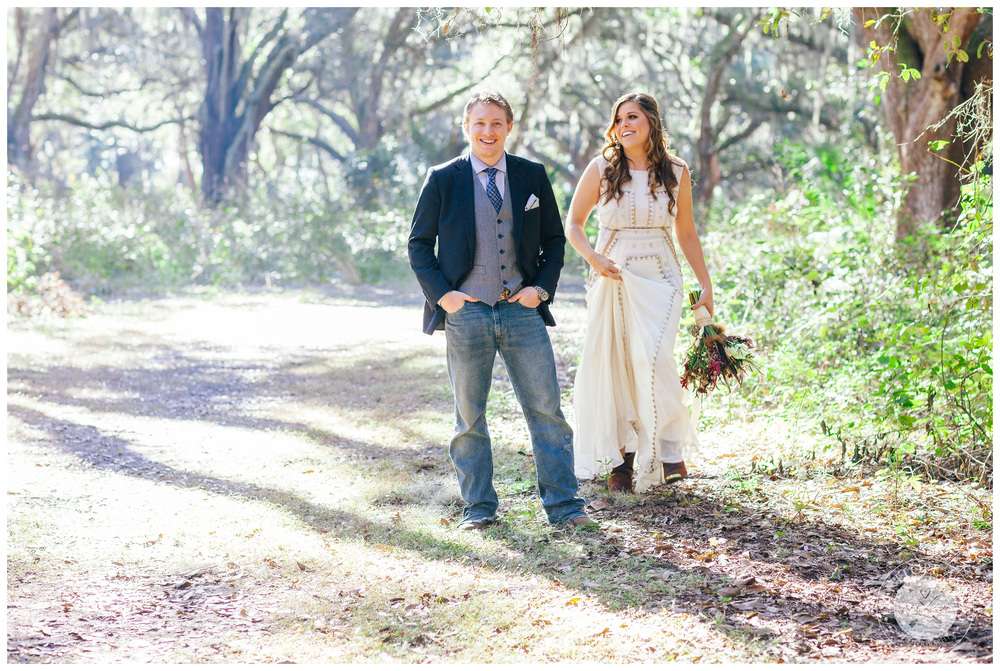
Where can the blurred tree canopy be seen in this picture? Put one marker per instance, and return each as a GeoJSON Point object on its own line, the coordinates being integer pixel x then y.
{"type": "Point", "coordinates": [219, 98]}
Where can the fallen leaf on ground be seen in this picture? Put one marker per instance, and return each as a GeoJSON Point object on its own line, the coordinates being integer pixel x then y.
{"type": "Point", "coordinates": [748, 605]}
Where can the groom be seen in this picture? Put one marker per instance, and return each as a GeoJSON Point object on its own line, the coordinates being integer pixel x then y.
{"type": "Point", "coordinates": [500, 243]}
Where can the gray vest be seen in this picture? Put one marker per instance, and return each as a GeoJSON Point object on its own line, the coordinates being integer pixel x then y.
{"type": "Point", "coordinates": [495, 264]}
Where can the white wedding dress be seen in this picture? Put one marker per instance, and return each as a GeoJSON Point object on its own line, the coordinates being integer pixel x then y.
{"type": "Point", "coordinates": [627, 390]}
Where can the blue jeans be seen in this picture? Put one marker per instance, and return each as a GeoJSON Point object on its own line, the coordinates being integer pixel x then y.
{"type": "Point", "coordinates": [475, 335]}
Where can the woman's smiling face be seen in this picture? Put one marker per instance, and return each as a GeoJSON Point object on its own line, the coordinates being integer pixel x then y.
{"type": "Point", "coordinates": [631, 126]}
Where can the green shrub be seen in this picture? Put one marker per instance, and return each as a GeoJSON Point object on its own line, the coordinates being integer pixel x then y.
{"type": "Point", "coordinates": [886, 349]}
{"type": "Point", "coordinates": [101, 237]}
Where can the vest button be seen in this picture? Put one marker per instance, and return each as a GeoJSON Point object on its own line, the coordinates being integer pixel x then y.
{"type": "Point", "coordinates": [503, 267]}
{"type": "Point", "coordinates": [499, 222]}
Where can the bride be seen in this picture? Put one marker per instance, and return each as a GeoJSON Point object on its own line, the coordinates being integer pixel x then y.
{"type": "Point", "coordinates": [630, 407]}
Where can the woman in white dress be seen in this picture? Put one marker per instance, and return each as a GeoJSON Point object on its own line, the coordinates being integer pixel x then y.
{"type": "Point", "coordinates": [631, 410]}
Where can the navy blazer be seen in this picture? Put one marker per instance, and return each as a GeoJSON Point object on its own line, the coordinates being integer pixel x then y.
{"type": "Point", "coordinates": [445, 216]}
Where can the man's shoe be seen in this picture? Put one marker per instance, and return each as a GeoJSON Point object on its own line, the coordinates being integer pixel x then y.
{"type": "Point", "coordinates": [674, 472]}
{"type": "Point", "coordinates": [620, 479]}
{"type": "Point", "coordinates": [474, 525]}
{"type": "Point", "coordinates": [581, 521]}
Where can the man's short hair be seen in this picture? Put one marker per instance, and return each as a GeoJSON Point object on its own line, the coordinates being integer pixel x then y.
{"type": "Point", "coordinates": [488, 96]}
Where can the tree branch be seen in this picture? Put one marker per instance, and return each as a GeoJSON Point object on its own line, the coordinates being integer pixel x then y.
{"type": "Point", "coordinates": [742, 135]}
{"type": "Point", "coordinates": [267, 39]}
{"type": "Point", "coordinates": [67, 19]}
{"type": "Point", "coordinates": [107, 124]}
{"type": "Point", "coordinates": [189, 14]}
{"type": "Point", "coordinates": [448, 97]}
{"type": "Point", "coordinates": [720, 64]}
{"type": "Point", "coordinates": [341, 122]}
{"type": "Point", "coordinates": [587, 100]}
{"type": "Point", "coordinates": [545, 24]}
{"type": "Point", "coordinates": [103, 94]}
{"type": "Point", "coordinates": [324, 22]}
{"type": "Point", "coordinates": [669, 58]}
{"type": "Point", "coordinates": [21, 22]}
{"type": "Point", "coordinates": [294, 95]}
{"type": "Point", "coordinates": [548, 161]}
{"type": "Point", "coordinates": [315, 141]}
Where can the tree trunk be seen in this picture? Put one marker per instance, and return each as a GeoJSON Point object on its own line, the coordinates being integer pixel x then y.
{"type": "Point", "coordinates": [236, 99]}
{"type": "Point", "coordinates": [20, 151]}
{"type": "Point", "coordinates": [217, 114]}
{"type": "Point", "coordinates": [914, 109]}
{"type": "Point", "coordinates": [710, 172]}
{"type": "Point", "coordinates": [370, 115]}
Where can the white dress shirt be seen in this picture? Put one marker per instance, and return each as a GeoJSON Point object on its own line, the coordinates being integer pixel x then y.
{"type": "Point", "coordinates": [479, 167]}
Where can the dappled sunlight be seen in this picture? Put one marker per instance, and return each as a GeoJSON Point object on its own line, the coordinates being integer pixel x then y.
{"type": "Point", "coordinates": [190, 453]}
{"type": "Point", "coordinates": [120, 525]}
{"type": "Point", "coordinates": [287, 501]}
{"type": "Point", "coordinates": [359, 425]}
{"type": "Point", "coordinates": [142, 535]}
{"type": "Point", "coordinates": [288, 326]}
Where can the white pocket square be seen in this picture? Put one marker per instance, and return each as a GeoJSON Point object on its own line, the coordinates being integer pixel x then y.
{"type": "Point", "coordinates": [532, 202]}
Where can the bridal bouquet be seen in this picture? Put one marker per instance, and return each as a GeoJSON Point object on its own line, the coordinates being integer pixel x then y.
{"type": "Point", "coordinates": [714, 356]}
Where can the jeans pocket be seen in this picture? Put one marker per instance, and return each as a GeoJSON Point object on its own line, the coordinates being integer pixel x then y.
{"type": "Point", "coordinates": [459, 313]}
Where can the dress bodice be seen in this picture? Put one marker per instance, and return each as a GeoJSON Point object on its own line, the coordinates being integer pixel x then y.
{"type": "Point", "coordinates": [637, 208]}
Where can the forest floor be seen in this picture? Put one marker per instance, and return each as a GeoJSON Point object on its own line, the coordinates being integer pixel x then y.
{"type": "Point", "coordinates": [263, 477]}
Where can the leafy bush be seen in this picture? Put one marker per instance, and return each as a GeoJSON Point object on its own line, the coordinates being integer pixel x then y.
{"type": "Point", "coordinates": [101, 237]}
{"type": "Point", "coordinates": [887, 350]}
{"type": "Point", "coordinates": [96, 237]}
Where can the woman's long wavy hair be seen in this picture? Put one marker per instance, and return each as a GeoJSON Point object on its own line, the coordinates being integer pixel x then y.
{"type": "Point", "coordinates": [661, 165]}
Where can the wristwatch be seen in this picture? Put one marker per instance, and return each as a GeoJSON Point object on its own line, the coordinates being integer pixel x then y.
{"type": "Point", "coordinates": [542, 294]}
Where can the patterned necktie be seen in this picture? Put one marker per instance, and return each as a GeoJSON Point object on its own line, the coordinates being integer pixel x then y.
{"type": "Point", "coordinates": [491, 189]}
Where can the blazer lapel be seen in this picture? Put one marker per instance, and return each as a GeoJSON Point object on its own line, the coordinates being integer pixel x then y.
{"type": "Point", "coordinates": [518, 197]}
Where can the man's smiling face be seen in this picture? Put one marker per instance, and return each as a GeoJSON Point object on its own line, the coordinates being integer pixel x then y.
{"type": "Point", "coordinates": [487, 129]}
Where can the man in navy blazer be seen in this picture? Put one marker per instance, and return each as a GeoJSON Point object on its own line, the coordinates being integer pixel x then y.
{"type": "Point", "coordinates": [487, 246]}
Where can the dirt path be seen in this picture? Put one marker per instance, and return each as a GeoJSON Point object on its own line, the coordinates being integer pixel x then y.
{"type": "Point", "coordinates": [264, 478]}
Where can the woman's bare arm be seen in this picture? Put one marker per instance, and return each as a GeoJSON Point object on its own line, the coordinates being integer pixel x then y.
{"type": "Point", "coordinates": [588, 191]}
{"type": "Point", "coordinates": [687, 238]}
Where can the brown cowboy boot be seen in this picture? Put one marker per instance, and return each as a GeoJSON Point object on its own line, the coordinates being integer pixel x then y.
{"type": "Point", "coordinates": [674, 472]}
{"type": "Point", "coordinates": [620, 479]}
